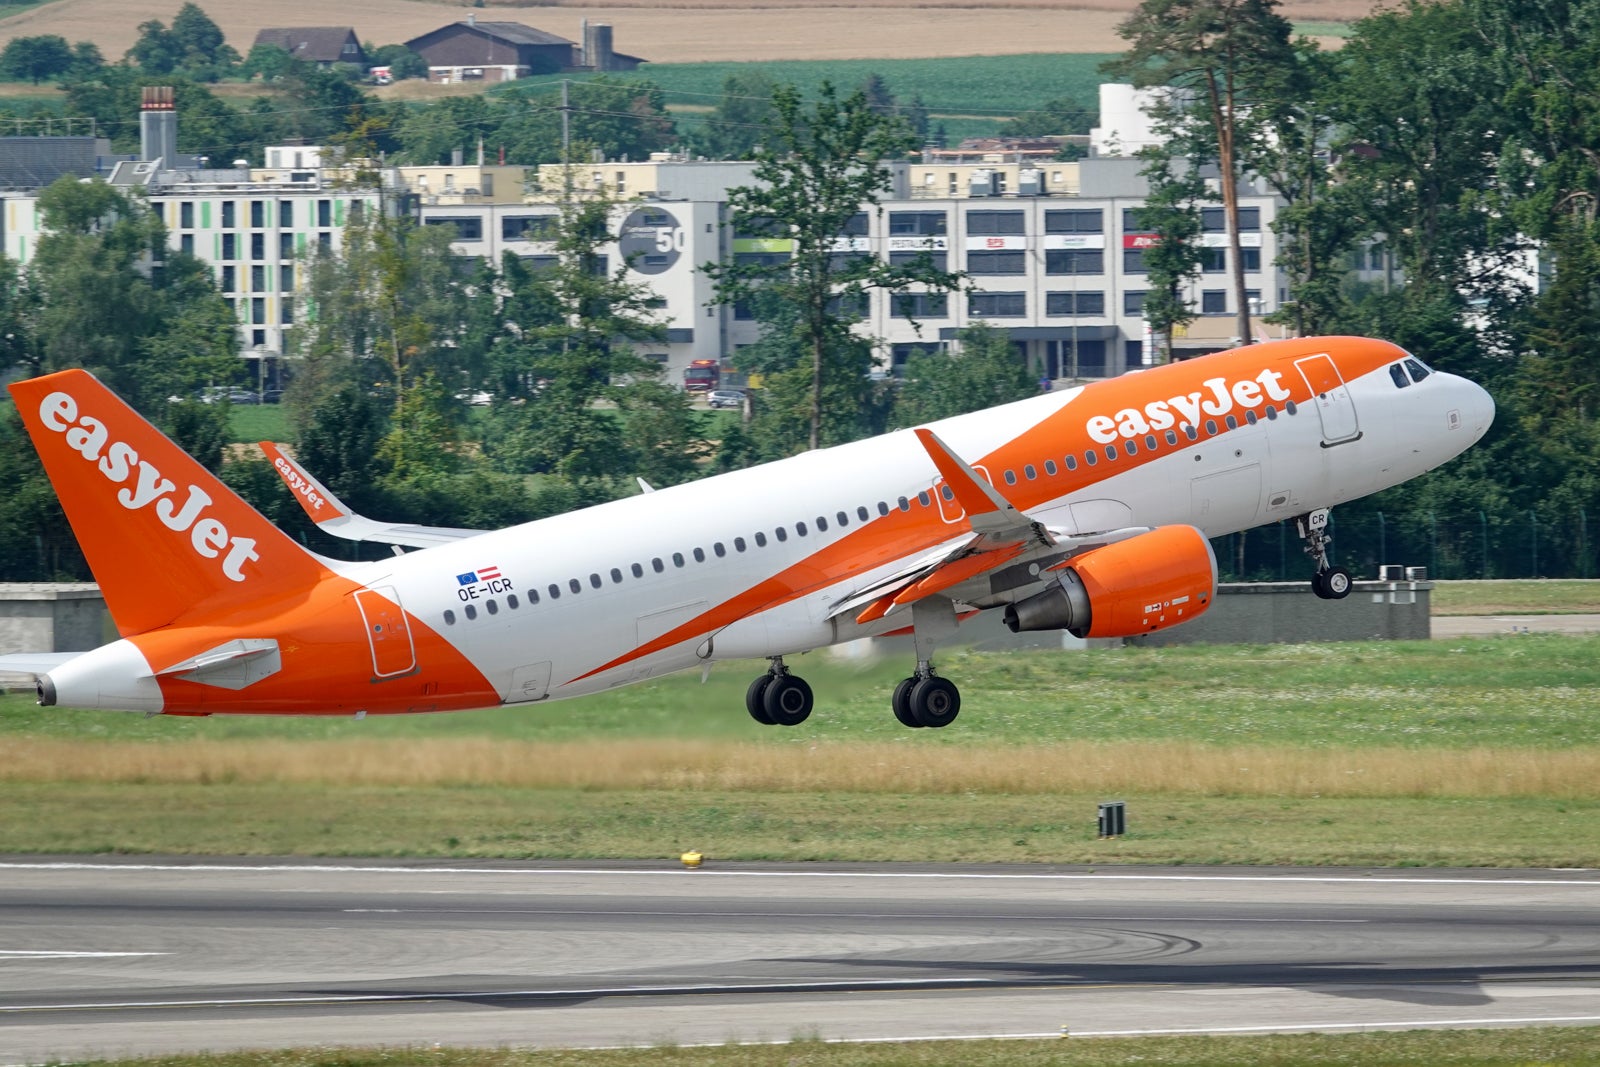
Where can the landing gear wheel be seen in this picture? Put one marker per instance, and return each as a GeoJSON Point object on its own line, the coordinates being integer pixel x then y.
{"type": "Point", "coordinates": [935, 702]}
{"type": "Point", "coordinates": [901, 701]}
{"type": "Point", "coordinates": [787, 701]}
{"type": "Point", "coordinates": [1336, 584]}
{"type": "Point", "coordinates": [1318, 586]}
{"type": "Point", "coordinates": [753, 699]}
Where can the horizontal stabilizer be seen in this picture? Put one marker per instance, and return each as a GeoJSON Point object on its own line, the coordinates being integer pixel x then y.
{"type": "Point", "coordinates": [333, 517]}
{"type": "Point", "coordinates": [232, 664]}
{"type": "Point", "coordinates": [35, 662]}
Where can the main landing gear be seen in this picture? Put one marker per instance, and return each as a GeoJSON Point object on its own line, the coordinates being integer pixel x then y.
{"type": "Point", "coordinates": [779, 698]}
{"type": "Point", "coordinates": [1328, 582]}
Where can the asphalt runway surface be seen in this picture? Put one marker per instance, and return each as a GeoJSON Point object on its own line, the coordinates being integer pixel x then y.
{"type": "Point", "coordinates": [138, 957]}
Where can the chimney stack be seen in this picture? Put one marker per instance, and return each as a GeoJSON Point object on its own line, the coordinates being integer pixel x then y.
{"type": "Point", "coordinates": [158, 126]}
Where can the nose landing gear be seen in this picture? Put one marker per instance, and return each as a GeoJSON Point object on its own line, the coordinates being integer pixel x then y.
{"type": "Point", "coordinates": [1328, 582]}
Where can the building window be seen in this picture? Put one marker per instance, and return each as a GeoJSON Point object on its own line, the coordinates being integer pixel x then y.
{"type": "Point", "coordinates": [258, 339]}
{"type": "Point", "coordinates": [1215, 219]}
{"type": "Point", "coordinates": [467, 227]}
{"type": "Point", "coordinates": [229, 279]}
{"type": "Point", "coordinates": [258, 213]}
{"type": "Point", "coordinates": [324, 212]}
{"type": "Point", "coordinates": [995, 222]}
{"type": "Point", "coordinates": [920, 305]}
{"type": "Point", "coordinates": [228, 219]}
{"type": "Point", "coordinates": [1213, 301]}
{"type": "Point", "coordinates": [998, 305]}
{"type": "Point", "coordinates": [1074, 261]}
{"type": "Point", "coordinates": [918, 223]}
{"type": "Point", "coordinates": [186, 215]}
{"type": "Point", "coordinates": [258, 246]}
{"type": "Point", "coordinates": [258, 279]}
{"type": "Point", "coordinates": [325, 241]}
{"type": "Point", "coordinates": [1251, 259]}
{"type": "Point", "coordinates": [1004, 262]}
{"type": "Point", "coordinates": [1133, 261]}
{"type": "Point", "coordinates": [286, 278]}
{"type": "Point", "coordinates": [285, 246]}
{"type": "Point", "coordinates": [1133, 302]}
{"type": "Point", "coordinates": [230, 246]}
{"type": "Point", "coordinates": [937, 260]}
{"type": "Point", "coordinates": [1085, 303]}
{"type": "Point", "coordinates": [286, 311]}
{"type": "Point", "coordinates": [285, 213]}
{"type": "Point", "coordinates": [1213, 260]}
{"type": "Point", "coordinates": [186, 243]}
{"type": "Point", "coordinates": [529, 227]}
{"type": "Point", "coordinates": [847, 262]}
{"type": "Point", "coordinates": [857, 226]}
{"type": "Point", "coordinates": [1074, 221]}
{"type": "Point", "coordinates": [258, 309]}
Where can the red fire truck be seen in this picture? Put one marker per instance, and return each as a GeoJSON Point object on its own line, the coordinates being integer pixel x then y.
{"type": "Point", "coordinates": [701, 376]}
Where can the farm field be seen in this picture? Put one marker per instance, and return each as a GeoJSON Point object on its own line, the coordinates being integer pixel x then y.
{"type": "Point", "coordinates": [691, 31]}
{"type": "Point", "coordinates": [1482, 752]}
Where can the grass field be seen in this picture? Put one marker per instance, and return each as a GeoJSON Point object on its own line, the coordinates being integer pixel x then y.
{"type": "Point", "coordinates": [1528, 597]}
{"type": "Point", "coordinates": [1476, 752]}
{"type": "Point", "coordinates": [1556, 1046]}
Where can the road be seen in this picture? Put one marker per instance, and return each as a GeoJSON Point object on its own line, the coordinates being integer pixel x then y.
{"type": "Point", "coordinates": [137, 957]}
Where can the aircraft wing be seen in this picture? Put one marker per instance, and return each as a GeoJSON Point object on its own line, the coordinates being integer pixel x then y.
{"type": "Point", "coordinates": [332, 516]}
{"type": "Point", "coordinates": [1000, 533]}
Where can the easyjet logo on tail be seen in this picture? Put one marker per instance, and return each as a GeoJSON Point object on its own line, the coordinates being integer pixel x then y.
{"type": "Point", "coordinates": [145, 487]}
{"type": "Point", "coordinates": [1216, 398]}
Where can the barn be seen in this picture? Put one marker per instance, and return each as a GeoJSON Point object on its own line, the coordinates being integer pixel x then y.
{"type": "Point", "coordinates": [503, 51]}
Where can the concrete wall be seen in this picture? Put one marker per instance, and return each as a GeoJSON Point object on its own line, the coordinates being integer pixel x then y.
{"type": "Point", "coordinates": [52, 617]}
{"type": "Point", "coordinates": [1288, 612]}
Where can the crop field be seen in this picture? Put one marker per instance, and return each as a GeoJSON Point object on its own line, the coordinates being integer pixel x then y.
{"type": "Point", "coordinates": [685, 31]}
{"type": "Point", "coordinates": [1477, 752]}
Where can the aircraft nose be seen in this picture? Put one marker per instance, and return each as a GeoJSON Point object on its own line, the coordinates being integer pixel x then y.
{"type": "Point", "coordinates": [1477, 408]}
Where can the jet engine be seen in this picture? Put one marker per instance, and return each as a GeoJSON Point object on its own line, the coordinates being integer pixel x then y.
{"type": "Point", "coordinates": [1138, 586]}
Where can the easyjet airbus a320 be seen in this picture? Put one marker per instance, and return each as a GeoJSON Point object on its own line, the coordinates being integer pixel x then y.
{"type": "Point", "coordinates": [1085, 509]}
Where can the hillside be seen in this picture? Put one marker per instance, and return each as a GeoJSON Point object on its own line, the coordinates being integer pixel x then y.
{"type": "Point", "coordinates": [688, 31]}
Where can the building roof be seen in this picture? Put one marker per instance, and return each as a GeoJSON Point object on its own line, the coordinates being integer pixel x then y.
{"type": "Point", "coordinates": [510, 32]}
{"type": "Point", "coordinates": [322, 44]}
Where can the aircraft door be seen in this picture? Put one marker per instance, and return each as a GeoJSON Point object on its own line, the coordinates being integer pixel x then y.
{"type": "Point", "coordinates": [388, 632]}
{"type": "Point", "coordinates": [1332, 397]}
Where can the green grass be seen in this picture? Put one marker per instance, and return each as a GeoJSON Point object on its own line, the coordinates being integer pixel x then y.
{"type": "Point", "coordinates": [1560, 1046]}
{"type": "Point", "coordinates": [249, 423]}
{"type": "Point", "coordinates": [470, 821]}
{"type": "Point", "coordinates": [1524, 597]}
{"type": "Point", "coordinates": [1535, 690]}
{"type": "Point", "coordinates": [985, 90]}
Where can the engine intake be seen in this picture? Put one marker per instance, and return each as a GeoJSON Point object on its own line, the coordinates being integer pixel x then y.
{"type": "Point", "coordinates": [1138, 586]}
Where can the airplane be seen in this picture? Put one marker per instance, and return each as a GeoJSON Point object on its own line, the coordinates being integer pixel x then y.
{"type": "Point", "coordinates": [1086, 509]}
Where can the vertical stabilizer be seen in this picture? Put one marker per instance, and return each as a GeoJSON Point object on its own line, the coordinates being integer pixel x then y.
{"type": "Point", "coordinates": [162, 534]}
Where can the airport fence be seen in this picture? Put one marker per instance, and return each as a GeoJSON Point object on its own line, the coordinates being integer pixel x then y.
{"type": "Point", "coordinates": [1484, 544]}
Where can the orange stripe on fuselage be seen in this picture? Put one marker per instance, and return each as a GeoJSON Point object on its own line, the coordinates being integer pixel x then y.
{"type": "Point", "coordinates": [1068, 430]}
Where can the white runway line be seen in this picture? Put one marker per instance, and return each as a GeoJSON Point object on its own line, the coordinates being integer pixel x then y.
{"type": "Point", "coordinates": [231, 868]}
{"type": "Point", "coordinates": [66, 954]}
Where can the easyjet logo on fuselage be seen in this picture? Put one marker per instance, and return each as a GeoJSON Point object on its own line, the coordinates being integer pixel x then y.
{"type": "Point", "coordinates": [119, 462]}
{"type": "Point", "coordinates": [1216, 398]}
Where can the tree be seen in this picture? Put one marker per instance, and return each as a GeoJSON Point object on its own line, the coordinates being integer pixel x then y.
{"type": "Point", "coordinates": [86, 60]}
{"type": "Point", "coordinates": [200, 43]}
{"type": "Point", "coordinates": [740, 120]}
{"type": "Point", "coordinates": [269, 62]}
{"type": "Point", "coordinates": [156, 51]}
{"type": "Point", "coordinates": [1171, 213]}
{"type": "Point", "coordinates": [983, 372]}
{"type": "Point", "coordinates": [1218, 55]}
{"type": "Point", "coordinates": [36, 58]}
{"type": "Point", "coordinates": [402, 62]}
{"type": "Point", "coordinates": [818, 169]}
{"type": "Point", "coordinates": [1053, 118]}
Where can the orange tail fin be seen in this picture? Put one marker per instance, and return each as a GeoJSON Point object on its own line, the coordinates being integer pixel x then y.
{"type": "Point", "coordinates": [161, 533]}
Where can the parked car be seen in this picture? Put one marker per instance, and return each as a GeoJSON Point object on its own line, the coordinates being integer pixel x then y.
{"type": "Point", "coordinates": [725, 398]}
{"type": "Point", "coordinates": [232, 393]}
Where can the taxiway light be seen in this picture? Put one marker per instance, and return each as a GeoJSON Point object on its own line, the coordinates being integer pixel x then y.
{"type": "Point", "coordinates": [692, 859]}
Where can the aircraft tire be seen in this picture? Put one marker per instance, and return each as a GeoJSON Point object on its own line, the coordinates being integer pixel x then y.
{"type": "Point", "coordinates": [1319, 587]}
{"type": "Point", "coordinates": [901, 702]}
{"type": "Point", "coordinates": [1336, 583]}
{"type": "Point", "coordinates": [935, 702]}
{"type": "Point", "coordinates": [788, 700]}
{"type": "Point", "coordinates": [754, 699]}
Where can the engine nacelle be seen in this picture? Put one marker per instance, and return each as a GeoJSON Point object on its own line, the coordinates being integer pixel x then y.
{"type": "Point", "coordinates": [1138, 586]}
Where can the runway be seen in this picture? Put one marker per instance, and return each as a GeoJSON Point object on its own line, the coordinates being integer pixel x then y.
{"type": "Point", "coordinates": [107, 958]}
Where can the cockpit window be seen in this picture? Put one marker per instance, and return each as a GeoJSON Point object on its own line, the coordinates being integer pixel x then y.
{"type": "Point", "coordinates": [1418, 371]}
{"type": "Point", "coordinates": [1398, 373]}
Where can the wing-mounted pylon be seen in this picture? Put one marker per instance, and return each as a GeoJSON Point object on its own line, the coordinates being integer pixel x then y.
{"type": "Point", "coordinates": [332, 516]}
